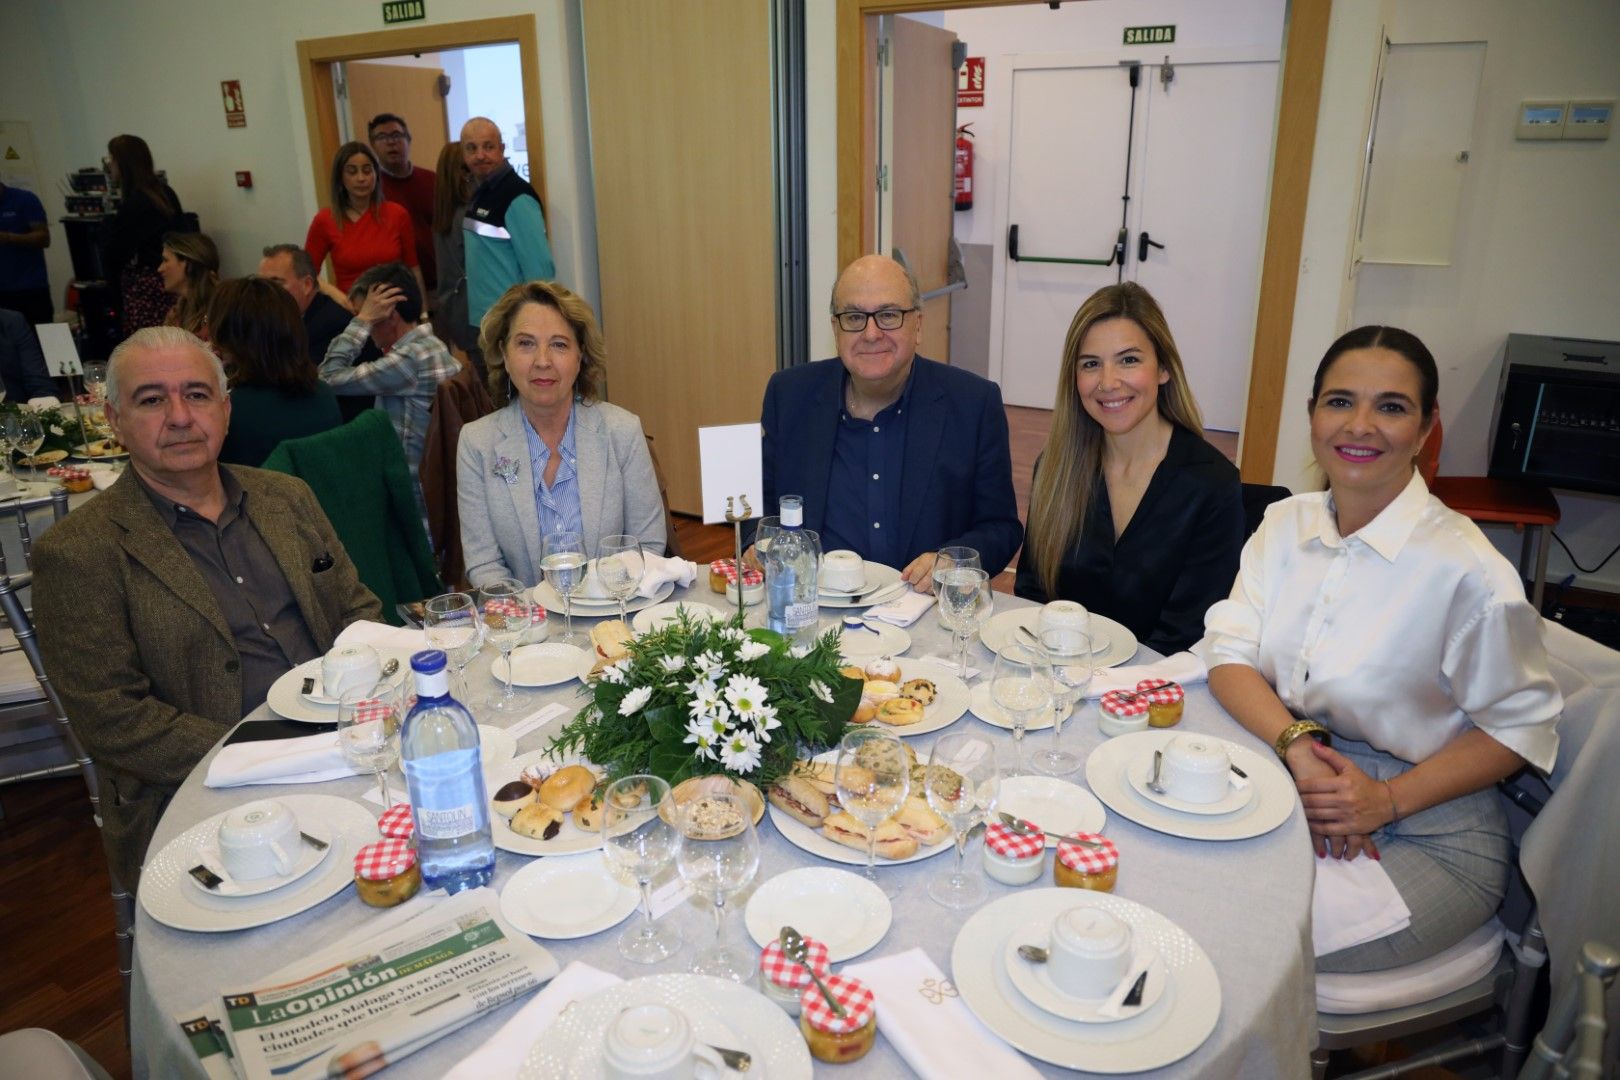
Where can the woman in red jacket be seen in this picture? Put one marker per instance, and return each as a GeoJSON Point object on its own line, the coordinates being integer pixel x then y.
{"type": "Point", "coordinates": [360, 230]}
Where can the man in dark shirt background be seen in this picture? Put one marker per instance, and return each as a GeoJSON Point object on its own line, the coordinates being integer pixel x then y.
{"type": "Point", "coordinates": [24, 236]}
{"type": "Point", "coordinates": [324, 318]}
{"type": "Point", "coordinates": [409, 185]}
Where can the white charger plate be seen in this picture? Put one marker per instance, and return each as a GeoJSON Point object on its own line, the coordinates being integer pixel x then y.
{"type": "Point", "coordinates": [286, 697]}
{"type": "Point", "coordinates": [985, 708]}
{"type": "Point", "coordinates": [1273, 801]}
{"type": "Point", "coordinates": [570, 839]}
{"type": "Point", "coordinates": [843, 911]}
{"type": "Point", "coordinates": [548, 598]}
{"type": "Point", "coordinates": [1235, 799]}
{"type": "Point", "coordinates": [950, 704]}
{"type": "Point", "coordinates": [1057, 806]}
{"type": "Point", "coordinates": [721, 1012]}
{"type": "Point", "coordinates": [1122, 644]}
{"type": "Point", "coordinates": [878, 576]}
{"type": "Point", "coordinates": [167, 894]}
{"type": "Point", "coordinates": [551, 664]}
{"type": "Point", "coordinates": [1158, 1037]}
{"type": "Point", "coordinates": [660, 615]}
{"type": "Point", "coordinates": [859, 645]}
{"type": "Point", "coordinates": [309, 857]}
{"type": "Point", "coordinates": [1034, 981]}
{"type": "Point", "coordinates": [566, 898]}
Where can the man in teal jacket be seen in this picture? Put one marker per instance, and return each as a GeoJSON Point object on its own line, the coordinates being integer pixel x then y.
{"type": "Point", "coordinates": [505, 229]}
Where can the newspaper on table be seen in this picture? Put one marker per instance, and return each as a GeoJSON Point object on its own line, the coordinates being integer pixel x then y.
{"type": "Point", "coordinates": [360, 1005]}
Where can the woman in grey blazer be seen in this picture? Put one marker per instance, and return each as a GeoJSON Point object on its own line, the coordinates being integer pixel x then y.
{"type": "Point", "coordinates": [557, 458]}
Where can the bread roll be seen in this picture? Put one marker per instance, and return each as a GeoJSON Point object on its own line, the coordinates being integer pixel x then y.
{"type": "Point", "coordinates": [921, 689]}
{"type": "Point", "coordinates": [588, 813]}
{"type": "Point", "coordinates": [537, 821]}
{"type": "Point", "coordinates": [564, 788]}
{"type": "Point", "coordinates": [800, 800]}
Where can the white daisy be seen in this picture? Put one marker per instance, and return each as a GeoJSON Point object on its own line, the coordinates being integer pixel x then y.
{"type": "Point", "coordinates": [753, 650]}
{"type": "Point", "coordinates": [799, 652]}
{"type": "Point", "coordinates": [732, 633]}
{"type": "Point", "coordinates": [745, 695]}
{"type": "Point", "coordinates": [706, 702]}
{"type": "Point", "coordinates": [617, 671]}
{"type": "Point", "coordinates": [765, 722]}
{"type": "Point", "coordinates": [819, 688]}
{"type": "Point", "coordinates": [699, 733]}
{"type": "Point", "coordinates": [634, 700]}
{"type": "Point", "coordinates": [740, 753]}
{"type": "Point", "coordinates": [671, 664]}
{"type": "Point", "coordinates": [710, 663]}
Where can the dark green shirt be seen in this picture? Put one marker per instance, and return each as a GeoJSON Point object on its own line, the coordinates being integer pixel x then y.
{"type": "Point", "coordinates": [263, 416]}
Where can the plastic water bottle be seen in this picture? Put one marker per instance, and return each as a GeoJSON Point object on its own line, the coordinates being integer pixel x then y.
{"type": "Point", "coordinates": [791, 591]}
{"type": "Point", "coordinates": [438, 749]}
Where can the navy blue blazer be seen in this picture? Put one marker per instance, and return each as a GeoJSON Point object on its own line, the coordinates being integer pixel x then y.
{"type": "Point", "coordinates": [954, 491]}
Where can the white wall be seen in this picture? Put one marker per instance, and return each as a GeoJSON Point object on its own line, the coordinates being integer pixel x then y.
{"type": "Point", "coordinates": [95, 69]}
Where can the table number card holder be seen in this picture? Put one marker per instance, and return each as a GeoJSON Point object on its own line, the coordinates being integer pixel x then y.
{"type": "Point", "coordinates": [731, 465]}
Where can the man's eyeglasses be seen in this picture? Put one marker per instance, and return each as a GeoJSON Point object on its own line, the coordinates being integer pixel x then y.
{"type": "Point", "coordinates": [391, 136]}
{"type": "Point", "coordinates": [853, 322]}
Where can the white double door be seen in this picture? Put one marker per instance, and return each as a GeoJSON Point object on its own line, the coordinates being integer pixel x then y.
{"type": "Point", "coordinates": [1200, 160]}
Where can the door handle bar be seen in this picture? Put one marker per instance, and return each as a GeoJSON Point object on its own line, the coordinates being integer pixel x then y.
{"type": "Point", "coordinates": [1013, 253]}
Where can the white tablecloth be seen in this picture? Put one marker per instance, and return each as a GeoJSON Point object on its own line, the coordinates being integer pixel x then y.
{"type": "Point", "coordinates": [1247, 903]}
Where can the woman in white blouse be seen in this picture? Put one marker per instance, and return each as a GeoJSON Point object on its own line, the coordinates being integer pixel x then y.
{"type": "Point", "coordinates": [1386, 650]}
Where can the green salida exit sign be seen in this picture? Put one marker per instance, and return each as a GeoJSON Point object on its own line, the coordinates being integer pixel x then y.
{"type": "Point", "coordinates": [1144, 35]}
{"type": "Point", "coordinates": [404, 10]}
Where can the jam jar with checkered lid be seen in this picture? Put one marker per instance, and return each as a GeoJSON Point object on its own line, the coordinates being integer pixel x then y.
{"type": "Point", "coordinates": [1013, 858]}
{"type": "Point", "coordinates": [1121, 712]}
{"type": "Point", "coordinates": [784, 980]}
{"type": "Point", "coordinates": [1086, 861]}
{"type": "Point", "coordinates": [385, 873]}
{"type": "Point", "coordinates": [837, 1039]}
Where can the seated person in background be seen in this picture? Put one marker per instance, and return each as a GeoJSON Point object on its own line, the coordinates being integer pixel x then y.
{"type": "Point", "coordinates": [22, 362]}
{"type": "Point", "coordinates": [189, 270]}
{"type": "Point", "coordinates": [1390, 624]}
{"type": "Point", "coordinates": [290, 266]}
{"type": "Point", "coordinates": [557, 458]}
{"type": "Point", "coordinates": [1131, 512]}
{"type": "Point", "coordinates": [896, 456]}
{"type": "Point", "coordinates": [413, 361]}
{"type": "Point", "coordinates": [276, 392]}
{"type": "Point", "coordinates": [168, 604]}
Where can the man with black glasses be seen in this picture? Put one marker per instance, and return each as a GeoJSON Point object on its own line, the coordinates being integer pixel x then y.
{"type": "Point", "coordinates": [409, 185]}
{"type": "Point", "coordinates": [895, 455]}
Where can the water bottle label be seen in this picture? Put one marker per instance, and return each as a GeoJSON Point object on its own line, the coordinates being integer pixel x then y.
{"type": "Point", "coordinates": [444, 788]}
{"type": "Point", "coordinates": [798, 615]}
{"type": "Point", "coordinates": [446, 824]}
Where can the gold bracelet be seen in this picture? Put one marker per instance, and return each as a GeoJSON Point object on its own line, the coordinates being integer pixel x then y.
{"type": "Point", "coordinates": [1295, 730]}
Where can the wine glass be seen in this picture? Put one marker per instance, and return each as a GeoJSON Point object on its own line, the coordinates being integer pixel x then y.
{"type": "Point", "coordinates": [452, 625]}
{"type": "Point", "coordinates": [639, 835]}
{"type": "Point", "coordinates": [620, 564]}
{"type": "Point", "coordinates": [368, 729]}
{"type": "Point", "coordinates": [95, 381]}
{"type": "Point", "coordinates": [965, 602]}
{"type": "Point", "coordinates": [873, 778]}
{"type": "Point", "coordinates": [769, 526]}
{"type": "Point", "coordinates": [1021, 683]}
{"type": "Point", "coordinates": [718, 855]}
{"type": "Point", "coordinates": [962, 783]}
{"type": "Point", "coordinates": [949, 558]}
{"type": "Point", "coordinates": [1070, 653]}
{"type": "Point", "coordinates": [562, 560]}
{"type": "Point", "coordinates": [507, 613]}
{"type": "Point", "coordinates": [25, 433]}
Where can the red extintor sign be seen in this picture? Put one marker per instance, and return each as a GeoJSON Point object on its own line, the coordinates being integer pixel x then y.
{"type": "Point", "coordinates": [970, 84]}
{"type": "Point", "coordinates": [235, 115]}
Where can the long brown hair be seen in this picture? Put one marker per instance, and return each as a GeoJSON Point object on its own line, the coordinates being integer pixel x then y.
{"type": "Point", "coordinates": [136, 171]}
{"type": "Point", "coordinates": [340, 194]}
{"type": "Point", "coordinates": [452, 187]}
{"type": "Point", "coordinates": [258, 331]}
{"type": "Point", "coordinates": [1071, 461]}
{"type": "Point", "coordinates": [201, 259]}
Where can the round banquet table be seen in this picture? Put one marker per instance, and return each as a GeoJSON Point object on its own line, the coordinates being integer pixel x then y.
{"type": "Point", "coordinates": [1246, 902]}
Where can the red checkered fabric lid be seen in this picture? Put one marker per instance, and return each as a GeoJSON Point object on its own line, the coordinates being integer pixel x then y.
{"type": "Point", "coordinates": [790, 974]}
{"type": "Point", "coordinates": [852, 994]}
{"type": "Point", "coordinates": [369, 710]}
{"type": "Point", "coordinates": [1160, 691]}
{"type": "Point", "coordinates": [68, 472]}
{"type": "Point", "coordinates": [1002, 840]}
{"type": "Point", "coordinates": [728, 568]}
{"type": "Point", "coordinates": [384, 859]}
{"type": "Point", "coordinates": [1124, 703]}
{"type": "Point", "coordinates": [397, 822]}
{"type": "Point", "coordinates": [1088, 860]}
{"type": "Point", "coordinates": [508, 608]}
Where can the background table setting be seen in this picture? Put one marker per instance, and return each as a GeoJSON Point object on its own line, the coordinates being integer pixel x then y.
{"type": "Point", "coordinates": [1221, 893]}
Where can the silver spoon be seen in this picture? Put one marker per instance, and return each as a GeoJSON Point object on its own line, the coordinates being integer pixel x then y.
{"type": "Point", "coordinates": [389, 668]}
{"type": "Point", "coordinates": [736, 1060]}
{"type": "Point", "coordinates": [1033, 953]}
{"type": "Point", "coordinates": [1153, 781]}
{"type": "Point", "coordinates": [1018, 826]}
{"type": "Point", "coordinates": [795, 949]}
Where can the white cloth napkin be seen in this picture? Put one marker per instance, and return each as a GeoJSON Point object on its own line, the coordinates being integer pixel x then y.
{"type": "Point", "coordinates": [1354, 902]}
{"type": "Point", "coordinates": [904, 609]}
{"type": "Point", "coordinates": [502, 1054]}
{"type": "Point", "coordinates": [49, 401]}
{"type": "Point", "coordinates": [102, 478]}
{"type": "Point", "coordinates": [660, 570]}
{"type": "Point", "coordinates": [306, 760]}
{"type": "Point", "coordinates": [921, 1014]}
{"type": "Point", "coordinates": [381, 636]}
{"type": "Point", "coordinates": [1183, 667]}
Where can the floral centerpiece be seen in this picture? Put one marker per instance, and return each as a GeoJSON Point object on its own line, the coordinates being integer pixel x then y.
{"type": "Point", "coordinates": [695, 698]}
{"type": "Point", "coordinates": [60, 424]}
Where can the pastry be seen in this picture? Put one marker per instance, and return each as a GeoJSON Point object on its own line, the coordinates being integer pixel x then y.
{"type": "Point", "coordinates": [1079, 866]}
{"type": "Point", "coordinates": [799, 799]}
{"type": "Point", "coordinates": [588, 813]}
{"type": "Point", "coordinates": [900, 711]}
{"type": "Point", "coordinates": [838, 1039]}
{"type": "Point", "coordinates": [921, 823]}
{"type": "Point", "coordinates": [537, 821]}
{"type": "Point", "coordinates": [564, 788]}
{"type": "Point", "coordinates": [612, 638]}
{"type": "Point", "coordinates": [1165, 699]}
{"type": "Point", "coordinates": [920, 689]}
{"type": "Point", "coordinates": [893, 842]}
{"type": "Point", "coordinates": [883, 667]}
{"type": "Point", "coordinates": [385, 873]}
{"type": "Point", "coordinates": [512, 797]}
{"type": "Point", "coordinates": [877, 691]}
{"type": "Point", "coordinates": [852, 672]}
{"type": "Point", "coordinates": [630, 797]}
{"type": "Point", "coordinates": [864, 714]}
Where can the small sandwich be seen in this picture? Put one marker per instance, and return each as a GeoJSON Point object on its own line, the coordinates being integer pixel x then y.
{"type": "Point", "coordinates": [822, 775]}
{"type": "Point", "coordinates": [920, 822]}
{"type": "Point", "coordinates": [800, 800]}
{"type": "Point", "coordinates": [611, 638]}
{"type": "Point", "coordinates": [893, 842]}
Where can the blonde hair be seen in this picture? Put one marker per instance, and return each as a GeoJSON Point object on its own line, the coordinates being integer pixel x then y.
{"type": "Point", "coordinates": [496, 326]}
{"type": "Point", "coordinates": [1071, 460]}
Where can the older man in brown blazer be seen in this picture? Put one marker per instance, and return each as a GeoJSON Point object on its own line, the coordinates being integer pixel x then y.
{"type": "Point", "coordinates": [168, 604]}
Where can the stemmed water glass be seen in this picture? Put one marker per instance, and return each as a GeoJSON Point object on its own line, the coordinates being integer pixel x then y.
{"type": "Point", "coordinates": [639, 836]}
{"type": "Point", "coordinates": [24, 433]}
{"type": "Point", "coordinates": [949, 558]}
{"type": "Point", "coordinates": [562, 559]}
{"type": "Point", "coordinates": [1069, 651]}
{"type": "Point", "coordinates": [962, 783]}
{"type": "Point", "coordinates": [95, 381]}
{"type": "Point", "coordinates": [507, 613]}
{"type": "Point", "coordinates": [718, 855]}
{"type": "Point", "coordinates": [873, 778]}
{"type": "Point", "coordinates": [452, 625]}
{"type": "Point", "coordinates": [620, 564]}
{"type": "Point", "coordinates": [1021, 683]}
{"type": "Point", "coordinates": [965, 602]}
{"type": "Point", "coordinates": [368, 730]}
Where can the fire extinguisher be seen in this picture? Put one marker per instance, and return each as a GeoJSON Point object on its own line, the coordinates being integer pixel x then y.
{"type": "Point", "coordinates": [964, 168]}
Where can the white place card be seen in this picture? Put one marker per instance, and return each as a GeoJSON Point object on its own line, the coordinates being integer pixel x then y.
{"type": "Point", "coordinates": [536, 719]}
{"type": "Point", "coordinates": [61, 354]}
{"type": "Point", "coordinates": [730, 460]}
{"type": "Point", "coordinates": [669, 896]}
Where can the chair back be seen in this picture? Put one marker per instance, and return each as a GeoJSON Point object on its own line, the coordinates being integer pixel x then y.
{"type": "Point", "coordinates": [459, 401]}
{"type": "Point", "coordinates": [1256, 497]}
{"type": "Point", "coordinates": [672, 543]}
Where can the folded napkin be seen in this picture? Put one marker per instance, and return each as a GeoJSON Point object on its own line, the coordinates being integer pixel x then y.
{"type": "Point", "coordinates": [904, 609]}
{"type": "Point", "coordinates": [921, 1015]}
{"type": "Point", "coordinates": [1354, 902]}
{"type": "Point", "coordinates": [503, 1053]}
{"type": "Point", "coordinates": [101, 477]}
{"type": "Point", "coordinates": [1183, 667]}
{"type": "Point", "coordinates": [381, 636]}
{"type": "Point", "coordinates": [49, 401]}
{"type": "Point", "coordinates": [660, 570]}
{"type": "Point", "coordinates": [306, 760]}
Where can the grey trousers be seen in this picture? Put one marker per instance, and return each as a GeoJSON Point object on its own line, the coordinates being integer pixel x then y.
{"type": "Point", "coordinates": [1450, 863]}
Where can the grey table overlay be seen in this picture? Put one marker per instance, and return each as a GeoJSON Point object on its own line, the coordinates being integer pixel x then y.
{"type": "Point", "coordinates": [1246, 902]}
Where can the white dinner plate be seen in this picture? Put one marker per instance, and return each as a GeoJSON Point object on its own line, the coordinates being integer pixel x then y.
{"type": "Point", "coordinates": [805, 838]}
{"type": "Point", "coordinates": [167, 894]}
{"type": "Point", "coordinates": [985, 708]}
{"type": "Point", "coordinates": [81, 452]}
{"type": "Point", "coordinates": [286, 697]}
{"type": "Point", "coordinates": [548, 598]}
{"type": "Point", "coordinates": [551, 664]}
{"type": "Point", "coordinates": [566, 898]}
{"type": "Point", "coordinates": [1170, 1031]}
{"type": "Point", "coordinates": [309, 857]}
{"type": "Point", "coordinates": [842, 910]}
{"type": "Point", "coordinates": [950, 704]}
{"type": "Point", "coordinates": [1274, 797]}
{"type": "Point", "coordinates": [1034, 981]}
{"type": "Point", "coordinates": [878, 576]}
{"type": "Point", "coordinates": [721, 1012]}
{"type": "Point", "coordinates": [1003, 625]}
{"type": "Point", "coordinates": [570, 839]}
{"type": "Point", "coordinates": [1057, 806]}
{"type": "Point", "coordinates": [660, 615]}
{"type": "Point", "coordinates": [1235, 799]}
{"type": "Point", "coordinates": [858, 645]}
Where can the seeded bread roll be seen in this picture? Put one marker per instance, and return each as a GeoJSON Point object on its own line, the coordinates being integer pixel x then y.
{"type": "Point", "coordinates": [920, 689]}
{"type": "Point", "coordinates": [588, 813]}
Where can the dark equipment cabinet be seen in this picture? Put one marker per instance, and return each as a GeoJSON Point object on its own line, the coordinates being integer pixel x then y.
{"type": "Point", "coordinates": [1558, 413]}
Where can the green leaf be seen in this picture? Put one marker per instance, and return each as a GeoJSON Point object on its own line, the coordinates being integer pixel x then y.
{"type": "Point", "coordinates": [667, 723]}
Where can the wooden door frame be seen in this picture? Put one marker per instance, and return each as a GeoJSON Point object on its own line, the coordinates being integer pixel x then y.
{"type": "Point", "coordinates": [1304, 48]}
{"type": "Point", "coordinates": [317, 55]}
